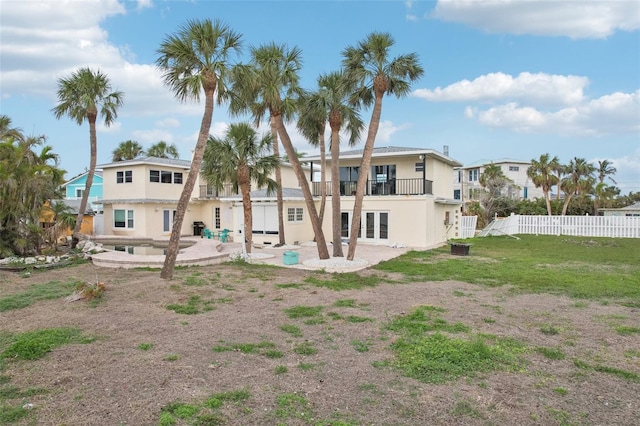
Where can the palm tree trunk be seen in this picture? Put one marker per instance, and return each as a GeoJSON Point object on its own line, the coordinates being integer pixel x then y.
{"type": "Point", "coordinates": [205, 126]}
{"type": "Point", "coordinates": [335, 194]}
{"type": "Point", "coordinates": [323, 253]}
{"type": "Point", "coordinates": [93, 142]}
{"type": "Point", "coordinates": [547, 199]}
{"type": "Point", "coordinates": [323, 176]}
{"type": "Point", "coordinates": [244, 181]}
{"type": "Point", "coordinates": [364, 174]}
{"type": "Point", "coordinates": [276, 152]}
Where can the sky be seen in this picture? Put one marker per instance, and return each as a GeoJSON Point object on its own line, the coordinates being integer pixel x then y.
{"type": "Point", "coordinates": [503, 78]}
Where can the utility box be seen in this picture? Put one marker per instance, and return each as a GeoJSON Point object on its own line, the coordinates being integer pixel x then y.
{"type": "Point", "coordinates": [460, 249]}
{"type": "Point", "coordinates": [290, 258]}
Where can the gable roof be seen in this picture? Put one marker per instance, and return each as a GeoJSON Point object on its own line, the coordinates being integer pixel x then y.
{"type": "Point", "coordinates": [97, 173]}
{"type": "Point", "coordinates": [183, 164]}
{"type": "Point", "coordinates": [393, 151]}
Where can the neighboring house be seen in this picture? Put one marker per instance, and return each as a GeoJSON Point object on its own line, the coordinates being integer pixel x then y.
{"type": "Point", "coordinates": [408, 200]}
{"type": "Point", "coordinates": [87, 227]}
{"type": "Point", "coordinates": [466, 180]}
{"type": "Point", "coordinates": [75, 187]}
{"type": "Point", "coordinates": [632, 210]}
{"type": "Point", "coordinates": [407, 197]}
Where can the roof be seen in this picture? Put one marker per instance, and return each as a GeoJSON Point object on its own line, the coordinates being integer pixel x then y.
{"type": "Point", "coordinates": [74, 205]}
{"type": "Point", "coordinates": [485, 162]}
{"type": "Point", "coordinates": [632, 207]}
{"type": "Point", "coordinates": [393, 151]}
{"type": "Point", "coordinates": [184, 164]}
{"type": "Point", "coordinates": [96, 173]}
{"type": "Point", "coordinates": [290, 194]}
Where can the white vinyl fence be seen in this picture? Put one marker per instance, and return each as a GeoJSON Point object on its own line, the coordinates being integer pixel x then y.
{"type": "Point", "coordinates": [582, 226]}
{"type": "Point", "coordinates": [467, 227]}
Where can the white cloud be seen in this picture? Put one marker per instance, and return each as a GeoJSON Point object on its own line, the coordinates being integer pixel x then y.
{"type": "Point", "coordinates": [144, 4]}
{"type": "Point", "coordinates": [574, 19]}
{"type": "Point", "coordinates": [627, 175]}
{"type": "Point", "coordinates": [538, 88]}
{"type": "Point", "coordinates": [610, 114]}
{"type": "Point", "coordinates": [148, 137]}
{"type": "Point", "coordinates": [168, 122]}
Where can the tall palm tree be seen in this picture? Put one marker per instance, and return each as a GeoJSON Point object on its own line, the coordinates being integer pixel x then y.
{"type": "Point", "coordinates": [195, 60]}
{"type": "Point", "coordinates": [163, 150]}
{"type": "Point", "coordinates": [333, 99]}
{"type": "Point", "coordinates": [85, 95]}
{"type": "Point", "coordinates": [272, 81]}
{"type": "Point", "coordinates": [127, 150]}
{"type": "Point", "coordinates": [241, 158]}
{"type": "Point", "coordinates": [579, 180]}
{"type": "Point", "coordinates": [541, 174]}
{"type": "Point", "coordinates": [559, 169]}
{"type": "Point", "coordinates": [369, 66]}
{"type": "Point", "coordinates": [6, 131]}
{"type": "Point", "coordinates": [605, 169]}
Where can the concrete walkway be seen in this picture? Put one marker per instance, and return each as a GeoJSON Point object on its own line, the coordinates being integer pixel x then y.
{"type": "Point", "coordinates": [209, 252]}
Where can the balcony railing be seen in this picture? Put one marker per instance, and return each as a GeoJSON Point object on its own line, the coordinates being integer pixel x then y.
{"type": "Point", "coordinates": [207, 191]}
{"type": "Point", "coordinates": [375, 188]}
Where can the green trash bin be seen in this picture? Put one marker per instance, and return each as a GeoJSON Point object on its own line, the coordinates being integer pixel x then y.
{"type": "Point", "coordinates": [290, 258]}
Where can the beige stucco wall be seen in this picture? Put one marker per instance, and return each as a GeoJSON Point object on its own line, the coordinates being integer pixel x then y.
{"type": "Point", "coordinates": [141, 187]}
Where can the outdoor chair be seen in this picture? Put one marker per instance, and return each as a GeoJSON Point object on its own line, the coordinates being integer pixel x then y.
{"type": "Point", "coordinates": [223, 235]}
{"type": "Point", "coordinates": [208, 233]}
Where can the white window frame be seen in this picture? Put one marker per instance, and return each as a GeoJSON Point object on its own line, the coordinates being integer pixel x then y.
{"type": "Point", "coordinates": [128, 219]}
{"type": "Point", "coordinates": [295, 214]}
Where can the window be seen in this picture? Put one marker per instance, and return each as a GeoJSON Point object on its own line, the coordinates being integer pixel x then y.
{"type": "Point", "coordinates": [525, 194]}
{"type": "Point", "coordinates": [514, 168]}
{"type": "Point", "coordinates": [79, 192]}
{"type": "Point", "coordinates": [154, 175]}
{"type": "Point", "coordinates": [168, 217]}
{"type": "Point", "coordinates": [473, 175]}
{"type": "Point", "coordinates": [124, 177]}
{"type": "Point", "coordinates": [459, 176]}
{"type": "Point", "coordinates": [177, 177]}
{"type": "Point", "coordinates": [123, 219]}
{"type": "Point", "coordinates": [216, 215]}
{"type": "Point", "coordinates": [419, 167]}
{"type": "Point", "coordinates": [456, 194]}
{"type": "Point", "coordinates": [165, 177]}
{"type": "Point", "coordinates": [295, 214]}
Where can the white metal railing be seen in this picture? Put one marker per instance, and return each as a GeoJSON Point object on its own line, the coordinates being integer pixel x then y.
{"type": "Point", "coordinates": [584, 226]}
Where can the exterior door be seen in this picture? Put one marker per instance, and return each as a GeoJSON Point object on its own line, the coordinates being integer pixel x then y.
{"type": "Point", "coordinates": [167, 220]}
{"type": "Point", "coordinates": [374, 225]}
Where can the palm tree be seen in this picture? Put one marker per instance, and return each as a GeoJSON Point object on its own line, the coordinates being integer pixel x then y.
{"type": "Point", "coordinates": [605, 169]}
{"type": "Point", "coordinates": [127, 150]}
{"type": "Point", "coordinates": [272, 81]}
{"type": "Point", "coordinates": [541, 174]}
{"type": "Point", "coordinates": [368, 65]}
{"type": "Point", "coordinates": [6, 131]}
{"type": "Point", "coordinates": [579, 181]}
{"type": "Point", "coordinates": [494, 181]}
{"type": "Point", "coordinates": [195, 60]}
{"type": "Point", "coordinates": [85, 95]}
{"type": "Point", "coordinates": [241, 158]}
{"type": "Point", "coordinates": [62, 218]}
{"type": "Point", "coordinates": [331, 101]}
{"type": "Point", "coordinates": [163, 150]}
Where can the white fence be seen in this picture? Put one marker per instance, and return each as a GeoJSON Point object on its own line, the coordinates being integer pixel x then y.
{"type": "Point", "coordinates": [467, 227]}
{"type": "Point", "coordinates": [582, 226]}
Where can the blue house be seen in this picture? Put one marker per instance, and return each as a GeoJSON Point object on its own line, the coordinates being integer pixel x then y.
{"type": "Point", "coordinates": [75, 187]}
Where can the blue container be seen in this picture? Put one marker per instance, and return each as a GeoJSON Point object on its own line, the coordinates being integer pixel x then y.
{"type": "Point", "coordinates": [290, 258]}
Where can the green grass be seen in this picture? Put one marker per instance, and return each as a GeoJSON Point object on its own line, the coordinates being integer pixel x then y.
{"type": "Point", "coordinates": [305, 348]}
{"type": "Point", "coordinates": [292, 329]}
{"type": "Point", "coordinates": [346, 281]}
{"type": "Point", "coordinates": [561, 391]}
{"type": "Point", "coordinates": [262, 348]}
{"type": "Point", "coordinates": [357, 319]}
{"type": "Point", "coordinates": [145, 346]}
{"type": "Point", "coordinates": [360, 346]}
{"type": "Point", "coordinates": [551, 353]}
{"type": "Point", "coordinates": [281, 369]}
{"type": "Point", "coordinates": [10, 414]}
{"type": "Point", "coordinates": [624, 374]}
{"type": "Point", "coordinates": [204, 413]}
{"type": "Point", "coordinates": [33, 345]}
{"type": "Point", "coordinates": [423, 319]}
{"type": "Point", "coordinates": [194, 305]}
{"type": "Point", "coordinates": [303, 311]}
{"type": "Point", "coordinates": [36, 292]}
{"type": "Point", "coordinates": [627, 330]}
{"type": "Point", "coordinates": [580, 267]}
{"type": "Point", "coordinates": [345, 303]}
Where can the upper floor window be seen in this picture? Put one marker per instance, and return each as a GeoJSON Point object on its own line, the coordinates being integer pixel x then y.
{"type": "Point", "coordinates": [474, 175]}
{"type": "Point", "coordinates": [164, 176]}
{"type": "Point", "coordinates": [419, 167]}
{"type": "Point", "coordinates": [514, 168]}
{"type": "Point", "coordinates": [79, 192]}
{"type": "Point", "coordinates": [124, 177]}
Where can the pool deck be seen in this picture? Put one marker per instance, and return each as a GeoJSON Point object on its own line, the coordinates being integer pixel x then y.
{"type": "Point", "coordinates": [210, 252]}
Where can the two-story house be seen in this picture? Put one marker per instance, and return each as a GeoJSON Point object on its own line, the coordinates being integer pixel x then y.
{"type": "Point", "coordinates": [407, 201]}
{"type": "Point", "coordinates": [407, 197]}
{"type": "Point", "coordinates": [466, 180]}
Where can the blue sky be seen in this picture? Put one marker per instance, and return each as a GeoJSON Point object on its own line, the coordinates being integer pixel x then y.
{"type": "Point", "coordinates": [503, 78]}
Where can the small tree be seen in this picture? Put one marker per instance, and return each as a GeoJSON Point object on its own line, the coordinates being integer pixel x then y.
{"type": "Point", "coordinates": [241, 158]}
{"type": "Point", "coordinates": [494, 183]}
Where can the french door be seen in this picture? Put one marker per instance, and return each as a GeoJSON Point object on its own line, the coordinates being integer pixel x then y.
{"type": "Point", "coordinates": [374, 225]}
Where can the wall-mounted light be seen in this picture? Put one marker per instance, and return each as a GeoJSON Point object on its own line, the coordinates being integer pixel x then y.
{"type": "Point", "coordinates": [421, 157]}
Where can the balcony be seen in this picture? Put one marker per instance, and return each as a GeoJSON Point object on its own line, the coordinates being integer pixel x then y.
{"type": "Point", "coordinates": [207, 191]}
{"type": "Point", "coordinates": [374, 188]}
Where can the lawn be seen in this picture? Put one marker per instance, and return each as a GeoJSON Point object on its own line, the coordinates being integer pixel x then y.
{"type": "Point", "coordinates": [538, 330]}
